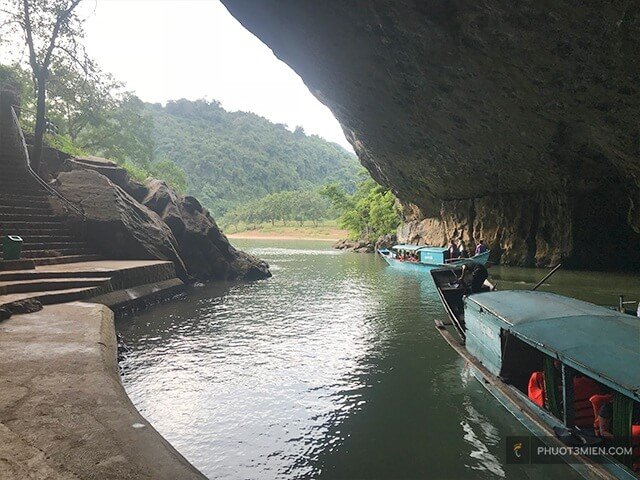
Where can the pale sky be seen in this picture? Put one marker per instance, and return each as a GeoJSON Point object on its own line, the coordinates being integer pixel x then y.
{"type": "Point", "coordinates": [170, 49]}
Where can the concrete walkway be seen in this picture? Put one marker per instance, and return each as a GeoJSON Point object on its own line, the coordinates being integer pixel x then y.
{"type": "Point", "coordinates": [63, 411]}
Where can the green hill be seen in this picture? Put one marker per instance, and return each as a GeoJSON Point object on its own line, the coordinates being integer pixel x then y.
{"type": "Point", "coordinates": [231, 158]}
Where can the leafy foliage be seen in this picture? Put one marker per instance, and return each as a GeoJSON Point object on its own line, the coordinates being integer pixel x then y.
{"type": "Point", "coordinates": [52, 33]}
{"type": "Point", "coordinates": [232, 158]}
{"type": "Point", "coordinates": [368, 213]}
{"type": "Point", "coordinates": [286, 206]}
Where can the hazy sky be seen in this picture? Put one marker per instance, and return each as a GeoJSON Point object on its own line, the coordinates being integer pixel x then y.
{"type": "Point", "coordinates": [170, 49]}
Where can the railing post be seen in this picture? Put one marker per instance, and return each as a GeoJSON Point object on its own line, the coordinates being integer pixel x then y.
{"type": "Point", "coordinates": [568, 395]}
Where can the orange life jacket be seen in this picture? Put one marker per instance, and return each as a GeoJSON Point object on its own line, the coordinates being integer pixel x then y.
{"type": "Point", "coordinates": [583, 389]}
{"type": "Point", "coordinates": [535, 391]}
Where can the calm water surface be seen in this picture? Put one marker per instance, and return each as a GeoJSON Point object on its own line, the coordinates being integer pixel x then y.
{"type": "Point", "coordinates": [330, 369]}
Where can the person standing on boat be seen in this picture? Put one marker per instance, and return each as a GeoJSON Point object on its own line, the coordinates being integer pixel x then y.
{"type": "Point", "coordinates": [473, 276]}
{"type": "Point", "coordinates": [481, 247]}
{"type": "Point", "coordinates": [454, 251]}
{"type": "Point", "coordinates": [464, 253]}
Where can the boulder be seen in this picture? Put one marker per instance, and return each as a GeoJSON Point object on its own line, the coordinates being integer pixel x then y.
{"type": "Point", "coordinates": [129, 219]}
{"type": "Point", "coordinates": [115, 222]}
{"type": "Point", "coordinates": [205, 250]}
{"type": "Point", "coordinates": [358, 246]}
{"type": "Point", "coordinates": [386, 241]}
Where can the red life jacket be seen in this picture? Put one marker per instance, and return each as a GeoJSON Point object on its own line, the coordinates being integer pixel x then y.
{"type": "Point", "coordinates": [635, 441]}
{"type": "Point", "coordinates": [583, 389]}
{"type": "Point", "coordinates": [535, 391]}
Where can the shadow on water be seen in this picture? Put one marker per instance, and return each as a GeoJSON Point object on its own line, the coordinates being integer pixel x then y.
{"type": "Point", "coordinates": [330, 369]}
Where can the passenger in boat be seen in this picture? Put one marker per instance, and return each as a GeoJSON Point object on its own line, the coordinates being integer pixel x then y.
{"type": "Point", "coordinates": [602, 425]}
{"type": "Point", "coordinates": [454, 250]}
{"type": "Point", "coordinates": [583, 389]}
{"type": "Point", "coordinates": [464, 253]}
{"type": "Point", "coordinates": [473, 276]}
{"type": "Point", "coordinates": [481, 247]}
{"type": "Point", "coordinates": [535, 390]}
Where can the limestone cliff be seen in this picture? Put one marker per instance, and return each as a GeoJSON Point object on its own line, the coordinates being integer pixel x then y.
{"type": "Point", "coordinates": [512, 121]}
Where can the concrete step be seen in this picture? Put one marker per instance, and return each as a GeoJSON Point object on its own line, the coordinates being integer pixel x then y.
{"type": "Point", "coordinates": [22, 193]}
{"type": "Point", "coordinates": [26, 209]}
{"type": "Point", "coordinates": [27, 186]}
{"type": "Point", "coordinates": [28, 246]}
{"type": "Point", "coordinates": [67, 259]}
{"type": "Point", "coordinates": [49, 239]}
{"type": "Point", "coordinates": [39, 274]}
{"type": "Point", "coordinates": [22, 201]}
{"type": "Point", "coordinates": [57, 252]}
{"type": "Point", "coordinates": [52, 296]}
{"type": "Point", "coordinates": [27, 217]}
{"type": "Point", "coordinates": [22, 187]}
{"type": "Point", "coordinates": [28, 232]}
{"type": "Point", "coordinates": [123, 273]}
{"type": "Point", "coordinates": [23, 264]}
{"type": "Point", "coordinates": [53, 223]}
{"type": "Point", "coordinates": [40, 285]}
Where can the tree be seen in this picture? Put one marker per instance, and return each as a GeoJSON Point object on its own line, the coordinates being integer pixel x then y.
{"type": "Point", "coordinates": [51, 31]}
{"type": "Point", "coordinates": [77, 101]}
{"type": "Point", "coordinates": [369, 213]}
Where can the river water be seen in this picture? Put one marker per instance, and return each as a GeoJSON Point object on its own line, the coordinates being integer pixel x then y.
{"type": "Point", "coordinates": [330, 369]}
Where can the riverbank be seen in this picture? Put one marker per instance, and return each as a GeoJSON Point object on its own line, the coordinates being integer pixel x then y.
{"type": "Point", "coordinates": [63, 410]}
{"type": "Point", "coordinates": [328, 232]}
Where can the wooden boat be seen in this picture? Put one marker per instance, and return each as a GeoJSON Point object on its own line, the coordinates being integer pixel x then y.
{"type": "Point", "coordinates": [506, 336]}
{"type": "Point", "coordinates": [426, 257]}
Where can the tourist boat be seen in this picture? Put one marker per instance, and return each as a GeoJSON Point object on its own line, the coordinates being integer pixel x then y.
{"type": "Point", "coordinates": [427, 257]}
{"type": "Point", "coordinates": [513, 339]}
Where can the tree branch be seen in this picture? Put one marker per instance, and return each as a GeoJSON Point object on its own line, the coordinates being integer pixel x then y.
{"type": "Point", "coordinates": [62, 17]}
{"type": "Point", "coordinates": [33, 60]}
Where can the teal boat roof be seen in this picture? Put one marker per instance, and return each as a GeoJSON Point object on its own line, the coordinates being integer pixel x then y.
{"type": "Point", "coordinates": [419, 247]}
{"type": "Point", "coordinates": [598, 341]}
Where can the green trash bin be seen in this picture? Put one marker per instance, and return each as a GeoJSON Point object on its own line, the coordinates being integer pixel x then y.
{"type": "Point", "coordinates": [11, 247]}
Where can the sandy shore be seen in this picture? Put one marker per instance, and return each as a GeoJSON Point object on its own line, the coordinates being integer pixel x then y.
{"type": "Point", "coordinates": [332, 236]}
{"type": "Point", "coordinates": [263, 236]}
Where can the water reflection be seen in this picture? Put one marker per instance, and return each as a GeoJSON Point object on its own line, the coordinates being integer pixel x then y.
{"type": "Point", "coordinates": [330, 369]}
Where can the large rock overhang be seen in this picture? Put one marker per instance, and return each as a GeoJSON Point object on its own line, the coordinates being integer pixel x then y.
{"type": "Point", "coordinates": [533, 104]}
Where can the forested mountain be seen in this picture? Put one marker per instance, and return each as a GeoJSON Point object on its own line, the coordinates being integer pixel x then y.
{"type": "Point", "coordinates": [231, 158]}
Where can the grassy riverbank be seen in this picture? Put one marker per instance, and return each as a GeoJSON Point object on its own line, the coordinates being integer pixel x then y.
{"type": "Point", "coordinates": [327, 230]}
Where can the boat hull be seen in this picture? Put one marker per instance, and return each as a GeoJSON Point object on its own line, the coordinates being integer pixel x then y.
{"type": "Point", "coordinates": [407, 266]}
{"type": "Point", "coordinates": [482, 259]}
{"type": "Point", "coordinates": [536, 420]}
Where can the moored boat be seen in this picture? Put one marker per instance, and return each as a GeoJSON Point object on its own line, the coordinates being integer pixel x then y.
{"type": "Point", "coordinates": [519, 342]}
{"type": "Point", "coordinates": [417, 257]}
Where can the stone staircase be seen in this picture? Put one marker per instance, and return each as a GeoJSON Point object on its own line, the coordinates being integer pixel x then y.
{"type": "Point", "coordinates": [26, 210]}
{"type": "Point", "coordinates": [57, 264]}
{"type": "Point", "coordinates": [26, 207]}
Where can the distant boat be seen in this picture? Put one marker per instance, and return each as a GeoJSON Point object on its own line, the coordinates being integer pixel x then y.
{"type": "Point", "coordinates": [518, 342]}
{"type": "Point", "coordinates": [428, 257]}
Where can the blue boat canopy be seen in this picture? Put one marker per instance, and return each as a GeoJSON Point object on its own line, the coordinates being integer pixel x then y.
{"type": "Point", "coordinates": [601, 343]}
